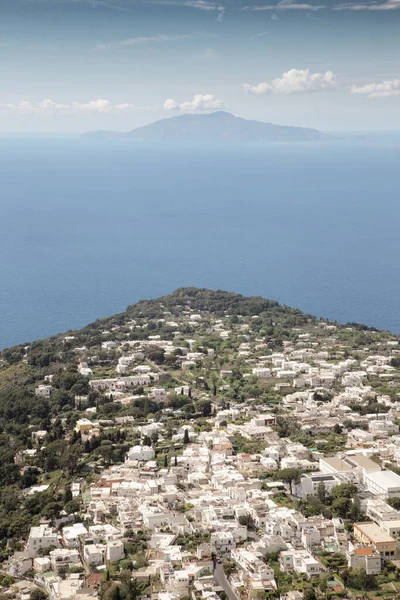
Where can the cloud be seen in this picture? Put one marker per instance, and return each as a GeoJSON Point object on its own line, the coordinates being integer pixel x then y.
{"type": "Point", "coordinates": [369, 5]}
{"type": "Point", "coordinates": [200, 4]}
{"type": "Point", "coordinates": [49, 107]}
{"type": "Point", "coordinates": [108, 4]}
{"type": "Point", "coordinates": [258, 35]}
{"type": "Point", "coordinates": [387, 89]}
{"type": "Point", "coordinates": [221, 13]}
{"type": "Point", "coordinates": [285, 5]}
{"type": "Point", "coordinates": [294, 82]}
{"type": "Point", "coordinates": [102, 106]}
{"type": "Point", "coordinates": [198, 103]}
{"type": "Point", "coordinates": [207, 5]}
{"type": "Point", "coordinates": [135, 41]}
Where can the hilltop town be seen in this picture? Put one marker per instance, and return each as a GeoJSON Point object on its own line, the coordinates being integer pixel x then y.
{"type": "Point", "coordinates": [201, 446]}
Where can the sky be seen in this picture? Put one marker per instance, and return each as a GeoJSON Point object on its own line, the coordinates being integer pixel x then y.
{"type": "Point", "coordinates": [77, 65]}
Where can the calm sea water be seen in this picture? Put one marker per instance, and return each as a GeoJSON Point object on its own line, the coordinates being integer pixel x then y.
{"type": "Point", "coordinates": [87, 228]}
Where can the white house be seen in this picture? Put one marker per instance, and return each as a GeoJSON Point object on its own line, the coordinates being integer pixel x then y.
{"type": "Point", "coordinates": [72, 533]}
{"type": "Point", "coordinates": [222, 541]}
{"type": "Point", "coordinates": [309, 484]}
{"type": "Point", "coordinates": [115, 551]}
{"type": "Point", "coordinates": [140, 453]}
{"type": "Point", "coordinates": [300, 561]}
{"type": "Point", "coordinates": [41, 537]}
{"type": "Point", "coordinates": [364, 557]}
{"type": "Point", "coordinates": [43, 390]}
{"type": "Point", "coordinates": [65, 557]}
{"type": "Point", "coordinates": [93, 555]}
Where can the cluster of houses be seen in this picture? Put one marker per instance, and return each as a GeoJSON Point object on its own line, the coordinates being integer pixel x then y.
{"type": "Point", "coordinates": [232, 498]}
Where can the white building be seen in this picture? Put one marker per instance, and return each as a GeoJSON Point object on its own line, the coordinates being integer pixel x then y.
{"type": "Point", "coordinates": [72, 533]}
{"type": "Point", "coordinates": [115, 551]}
{"type": "Point", "coordinates": [383, 427]}
{"type": "Point", "coordinates": [222, 541]}
{"type": "Point", "coordinates": [365, 558]}
{"type": "Point", "coordinates": [140, 453]}
{"type": "Point", "coordinates": [385, 484]}
{"type": "Point", "coordinates": [262, 372]}
{"type": "Point", "coordinates": [309, 484]}
{"type": "Point", "coordinates": [44, 391]}
{"type": "Point", "coordinates": [300, 561]}
{"type": "Point", "coordinates": [41, 537]}
{"type": "Point", "coordinates": [65, 557]}
{"type": "Point", "coordinates": [93, 555]}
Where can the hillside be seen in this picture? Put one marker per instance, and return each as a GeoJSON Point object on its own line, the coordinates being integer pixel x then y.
{"type": "Point", "coordinates": [213, 127]}
{"type": "Point", "coordinates": [178, 361]}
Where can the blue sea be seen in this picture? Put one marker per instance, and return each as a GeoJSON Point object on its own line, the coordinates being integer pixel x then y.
{"type": "Point", "coordinates": [88, 227]}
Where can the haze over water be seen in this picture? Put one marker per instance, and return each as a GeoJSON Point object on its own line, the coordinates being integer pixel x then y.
{"type": "Point", "coordinates": [87, 228]}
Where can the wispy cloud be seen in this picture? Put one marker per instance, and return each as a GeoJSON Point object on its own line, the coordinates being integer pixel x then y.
{"type": "Point", "coordinates": [136, 41]}
{"type": "Point", "coordinates": [118, 5]}
{"type": "Point", "coordinates": [258, 35]}
{"type": "Point", "coordinates": [369, 5]}
{"type": "Point", "coordinates": [154, 39]}
{"type": "Point", "coordinates": [294, 81]}
{"type": "Point", "coordinates": [285, 5]}
{"type": "Point", "coordinates": [200, 4]}
{"type": "Point", "coordinates": [199, 103]}
{"type": "Point", "coordinates": [51, 107]}
{"type": "Point", "coordinates": [206, 5]}
{"type": "Point", "coordinates": [387, 89]}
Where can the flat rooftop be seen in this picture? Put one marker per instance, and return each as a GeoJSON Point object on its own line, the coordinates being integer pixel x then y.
{"type": "Point", "coordinates": [374, 533]}
{"type": "Point", "coordinates": [384, 479]}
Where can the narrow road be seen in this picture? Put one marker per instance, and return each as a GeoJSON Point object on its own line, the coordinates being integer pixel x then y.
{"type": "Point", "coordinates": [221, 579]}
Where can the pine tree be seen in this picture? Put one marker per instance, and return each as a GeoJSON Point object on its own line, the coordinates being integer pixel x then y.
{"type": "Point", "coordinates": [131, 590]}
{"type": "Point", "coordinates": [116, 594]}
{"type": "Point", "coordinates": [67, 494]}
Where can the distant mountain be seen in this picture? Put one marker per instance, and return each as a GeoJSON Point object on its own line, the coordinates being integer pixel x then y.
{"type": "Point", "coordinates": [212, 127]}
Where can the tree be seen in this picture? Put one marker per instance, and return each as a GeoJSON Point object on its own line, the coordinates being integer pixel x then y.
{"type": "Point", "coordinates": [116, 593]}
{"type": "Point", "coordinates": [166, 461]}
{"type": "Point", "coordinates": [284, 426]}
{"type": "Point", "coordinates": [245, 520]}
{"type": "Point", "coordinates": [176, 461]}
{"type": "Point", "coordinates": [131, 590]}
{"type": "Point", "coordinates": [394, 503]}
{"type": "Point", "coordinates": [291, 475]}
{"type": "Point", "coordinates": [214, 381]}
{"type": "Point", "coordinates": [309, 594]}
{"type": "Point", "coordinates": [206, 409]}
{"type": "Point", "coordinates": [186, 438]}
{"type": "Point", "coordinates": [341, 507]}
{"type": "Point", "coordinates": [344, 490]}
{"type": "Point", "coordinates": [146, 441]}
{"type": "Point", "coordinates": [214, 560]}
{"type": "Point", "coordinates": [67, 494]}
{"type": "Point", "coordinates": [229, 568]}
{"type": "Point", "coordinates": [38, 594]}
